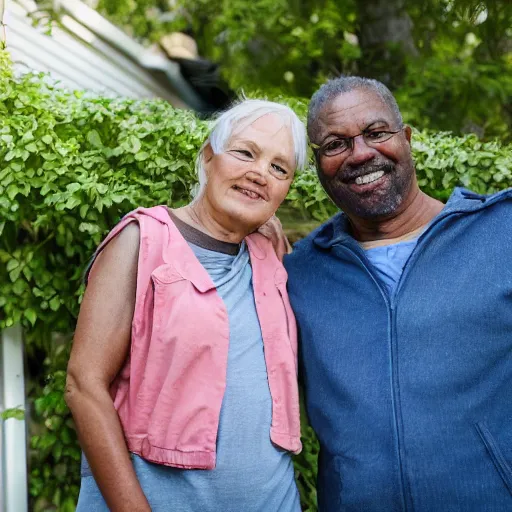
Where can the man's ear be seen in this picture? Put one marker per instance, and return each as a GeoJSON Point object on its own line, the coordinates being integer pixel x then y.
{"type": "Point", "coordinates": [408, 133]}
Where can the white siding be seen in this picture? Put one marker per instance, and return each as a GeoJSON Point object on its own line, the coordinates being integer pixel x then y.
{"type": "Point", "coordinates": [78, 58]}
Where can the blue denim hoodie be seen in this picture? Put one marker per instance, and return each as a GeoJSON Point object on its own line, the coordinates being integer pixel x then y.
{"type": "Point", "coordinates": [411, 394]}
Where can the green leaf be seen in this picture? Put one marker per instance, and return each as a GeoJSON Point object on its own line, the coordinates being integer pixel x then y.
{"type": "Point", "coordinates": [12, 191]}
{"type": "Point", "coordinates": [57, 452]}
{"type": "Point", "coordinates": [83, 210]}
{"type": "Point", "coordinates": [19, 286]}
{"type": "Point", "coordinates": [16, 413]}
{"type": "Point", "coordinates": [73, 187]}
{"type": "Point", "coordinates": [68, 505]}
{"type": "Point", "coordinates": [72, 202]}
{"type": "Point", "coordinates": [12, 264]}
{"type": "Point", "coordinates": [27, 272]}
{"type": "Point", "coordinates": [14, 274]}
{"type": "Point", "coordinates": [94, 139]}
{"type": "Point", "coordinates": [30, 315]}
{"type": "Point", "coordinates": [141, 156]}
{"type": "Point", "coordinates": [54, 304]}
{"type": "Point", "coordinates": [134, 144]}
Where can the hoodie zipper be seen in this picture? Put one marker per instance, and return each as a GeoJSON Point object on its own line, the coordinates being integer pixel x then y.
{"type": "Point", "coordinates": [391, 303]}
{"type": "Point", "coordinates": [397, 419]}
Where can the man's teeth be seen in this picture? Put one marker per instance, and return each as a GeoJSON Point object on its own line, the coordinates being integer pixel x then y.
{"type": "Point", "coordinates": [368, 178]}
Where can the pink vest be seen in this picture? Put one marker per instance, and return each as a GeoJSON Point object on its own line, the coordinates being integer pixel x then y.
{"type": "Point", "coordinates": [169, 393]}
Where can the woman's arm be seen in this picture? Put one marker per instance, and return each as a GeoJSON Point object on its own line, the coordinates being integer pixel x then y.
{"type": "Point", "coordinates": [100, 347]}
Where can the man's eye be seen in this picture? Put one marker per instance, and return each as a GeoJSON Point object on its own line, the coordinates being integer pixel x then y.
{"type": "Point", "coordinates": [376, 135]}
{"type": "Point", "coordinates": [335, 145]}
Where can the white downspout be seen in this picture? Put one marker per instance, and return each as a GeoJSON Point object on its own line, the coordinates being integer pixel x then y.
{"type": "Point", "coordinates": [13, 442]}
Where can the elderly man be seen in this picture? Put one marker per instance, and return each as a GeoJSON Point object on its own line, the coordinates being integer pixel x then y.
{"type": "Point", "coordinates": [404, 307]}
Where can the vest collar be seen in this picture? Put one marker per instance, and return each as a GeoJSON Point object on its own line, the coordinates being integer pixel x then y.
{"type": "Point", "coordinates": [186, 264]}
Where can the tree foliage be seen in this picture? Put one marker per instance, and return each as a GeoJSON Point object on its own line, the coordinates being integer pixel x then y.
{"type": "Point", "coordinates": [449, 61]}
{"type": "Point", "coordinates": [71, 166]}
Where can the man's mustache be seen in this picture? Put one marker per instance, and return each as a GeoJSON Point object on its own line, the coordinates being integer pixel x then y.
{"type": "Point", "coordinates": [352, 172]}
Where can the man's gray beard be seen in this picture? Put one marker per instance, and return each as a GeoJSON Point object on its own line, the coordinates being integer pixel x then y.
{"type": "Point", "coordinates": [385, 208]}
{"type": "Point", "coordinates": [376, 206]}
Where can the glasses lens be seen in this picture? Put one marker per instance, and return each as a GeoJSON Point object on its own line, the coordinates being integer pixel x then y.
{"type": "Point", "coordinates": [377, 137]}
{"type": "Point", "coordinates": [335, 147]}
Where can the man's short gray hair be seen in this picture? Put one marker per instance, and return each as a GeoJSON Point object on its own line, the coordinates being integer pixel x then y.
{"type": "Point", "coordinates": [343, 84]}
{"type": "Point", "coordinates": [238, 118]}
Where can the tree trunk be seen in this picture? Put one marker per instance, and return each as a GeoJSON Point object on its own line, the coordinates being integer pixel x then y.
{"type": "Point", "coordinates": [385, 38]}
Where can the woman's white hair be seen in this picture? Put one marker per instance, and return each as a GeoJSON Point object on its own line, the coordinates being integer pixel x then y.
{"type": "Point", "coordinates": [238, 118]}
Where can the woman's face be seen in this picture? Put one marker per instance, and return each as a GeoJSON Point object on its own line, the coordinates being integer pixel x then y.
{"type": "Point", "coordinates": [248, 181]}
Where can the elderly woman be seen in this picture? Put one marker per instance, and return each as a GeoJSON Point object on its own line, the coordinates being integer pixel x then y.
{"type": "Point", "coordinates": [182, 377]}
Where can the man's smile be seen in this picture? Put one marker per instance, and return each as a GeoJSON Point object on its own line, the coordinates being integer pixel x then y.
{"type": "Point", "coordinates": [369, 178]}
{"type": "Point", "coordinates": [365, 173]}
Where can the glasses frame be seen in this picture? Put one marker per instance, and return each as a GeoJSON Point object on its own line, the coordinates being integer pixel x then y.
{"type": "Point", "coordinates": [319, 150]}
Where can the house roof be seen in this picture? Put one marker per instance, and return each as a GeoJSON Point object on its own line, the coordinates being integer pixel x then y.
{"type": "Point", "coordinates": [86, 51]}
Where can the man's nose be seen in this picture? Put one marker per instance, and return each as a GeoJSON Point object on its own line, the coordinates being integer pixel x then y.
{"type": "Point", "coordinates": [361, 152]}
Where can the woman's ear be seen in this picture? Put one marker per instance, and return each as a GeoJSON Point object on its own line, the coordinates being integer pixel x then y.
{"type": "Point", "coordinates": [208, 153]}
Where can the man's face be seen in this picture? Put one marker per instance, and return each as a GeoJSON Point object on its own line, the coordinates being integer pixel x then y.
{"type": "Point", "coordinates": [369, 180]}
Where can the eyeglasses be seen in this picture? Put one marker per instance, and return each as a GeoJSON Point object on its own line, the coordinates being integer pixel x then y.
{"type": "Point", "coordinates": [341, 144]}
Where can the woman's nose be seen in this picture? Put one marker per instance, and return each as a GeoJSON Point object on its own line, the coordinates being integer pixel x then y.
{"type": "Point", "coordinates": [257, 176]}
{"type": "Point", "coordinates": [258, 172]}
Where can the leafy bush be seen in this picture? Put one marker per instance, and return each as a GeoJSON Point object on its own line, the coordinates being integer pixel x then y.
{"type": "Point", "coordinates": [458, 78]}
{"type": "Point", "coordinates": [72, 165]}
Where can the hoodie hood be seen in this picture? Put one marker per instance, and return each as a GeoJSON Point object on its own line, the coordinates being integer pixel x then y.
{"type": "Point", "coordinates": [462, 200]}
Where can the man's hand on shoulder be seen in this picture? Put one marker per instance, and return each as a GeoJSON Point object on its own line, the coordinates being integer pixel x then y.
{"type": "Point", "coordinates": [273, 230]}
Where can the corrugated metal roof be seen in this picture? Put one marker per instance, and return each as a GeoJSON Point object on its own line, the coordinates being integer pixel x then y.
{"type": "Point", "coordinates": [85, 51]}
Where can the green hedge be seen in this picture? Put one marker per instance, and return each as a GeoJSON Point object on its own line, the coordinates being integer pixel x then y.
{"type": "Point", "coordinates": [71, 166]}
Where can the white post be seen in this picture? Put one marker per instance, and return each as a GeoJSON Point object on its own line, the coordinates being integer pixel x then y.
{"type": "Point", "coordinates": [13, 445]}
{"type": "Point", "coordinates": [2, 29]}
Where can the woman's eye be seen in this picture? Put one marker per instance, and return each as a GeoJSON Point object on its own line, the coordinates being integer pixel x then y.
{"type": "Point", "coordinates": [279, 169]}
{"type": "Point", "coordinates": [243, 152]}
